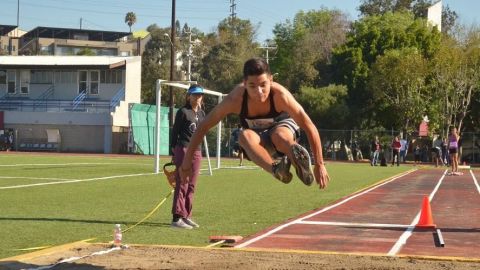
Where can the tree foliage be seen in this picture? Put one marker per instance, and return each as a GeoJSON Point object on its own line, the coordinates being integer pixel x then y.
{"type": "Point", "coordinates": [232, 44]}
{"type": "Point", "coordinates": [306, 44]}
{"type": "Point", "coordinates": [399, 88]}
{"type": "Point", "coordinates": [456, 77]}
{"type": "Point", "coordinates": [370, 38]}
{"type": "Point", "coordinates": [418, 7]}
{"type": "Point", "coordinates": [326, 106]}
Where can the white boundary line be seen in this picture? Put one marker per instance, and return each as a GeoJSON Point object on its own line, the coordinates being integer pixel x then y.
{"type": "Point", "coordinates": [318, 212]}
{"type": "Point", "coordinates": [475, 181]}
{"type": "Point", "coordinates": [36, 178]}
{"type": "Point", "coordinates": [353, 224]}
{"type": "Point", "coordinates": [71, 259]}
{"type": "Point", "coordinates": [402, 240]}
{"type": "Point", "coordinates": [75, 181]}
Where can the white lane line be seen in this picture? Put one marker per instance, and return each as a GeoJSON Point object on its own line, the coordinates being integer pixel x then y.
{"type": "Point", "coordinates": [402, 240]}
{"type": "Point", "coordinates": [75, 181]}
{"type": "Point", "coordinates": [36, 178]}
{"type": "Point", "coordinates": [70, 164]}
{"type": "Point", "coordinates": [253, 240]}
{"type": "Point", "coordinates": [353, 224]}
{"type": "Point", "coordinates": [475, 181]}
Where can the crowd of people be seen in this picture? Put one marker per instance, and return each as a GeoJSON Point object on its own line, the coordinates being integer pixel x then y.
{"type": "Point", "coordinates": [441, 152]}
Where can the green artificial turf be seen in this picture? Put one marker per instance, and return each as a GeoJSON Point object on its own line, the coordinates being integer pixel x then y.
{"type": "Point", "coordinates": [231, 202]}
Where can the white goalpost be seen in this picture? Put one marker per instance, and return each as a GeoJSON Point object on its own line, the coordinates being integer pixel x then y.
{"type": "Point", "coordinates": [183, 85]}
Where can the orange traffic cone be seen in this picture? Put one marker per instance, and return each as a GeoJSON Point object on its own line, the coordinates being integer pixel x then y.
{"type": "Point", "coordinates": [426, 219]}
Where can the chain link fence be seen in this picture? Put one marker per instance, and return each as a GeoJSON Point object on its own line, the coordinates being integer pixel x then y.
{"type": "Point", "coordinates": [356, 144]}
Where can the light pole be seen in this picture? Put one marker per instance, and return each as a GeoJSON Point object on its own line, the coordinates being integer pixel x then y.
{"type": "Point", "coordinates": [189, 70]}
{"type": "Point", "coordinates": [172, 63]}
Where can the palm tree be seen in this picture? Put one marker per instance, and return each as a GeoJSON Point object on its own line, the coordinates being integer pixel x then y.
{"type": "Point", "coordinates": [130, 19]}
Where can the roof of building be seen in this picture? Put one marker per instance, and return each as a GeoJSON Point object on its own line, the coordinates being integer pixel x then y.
{"type": "Point", "coordinates": [140, 34]}
{"type": "Point", "coordinates": [64, 61]}
{"type": "Point", "coordinates": [5, 29]}
{"type": "Point", "coordinates": [68, 33]}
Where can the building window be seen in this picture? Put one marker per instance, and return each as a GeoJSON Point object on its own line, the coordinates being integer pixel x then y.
{"type": "Point", "coordinates": [3, 76]}
{"type": "Point", "coordinates": [41, 76]}
{"type": "Point", "coordinates": [111, 76]}
{"type": "Point", "coordinates": [65, 77]}
{"type": "Point", "coordinates": [11, 79]}
{"type": "Point", "coordinates": [24, 81]}
{"type": "Point", "coordinates": [94, 80]}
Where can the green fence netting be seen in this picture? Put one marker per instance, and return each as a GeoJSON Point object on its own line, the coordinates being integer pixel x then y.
{"type": "Point", "coordinates": [143, 128]}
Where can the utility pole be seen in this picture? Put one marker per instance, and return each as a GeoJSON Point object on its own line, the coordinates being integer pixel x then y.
{"type": "Point", "coordinates": [81, 23]}
{"type": "Point", "coordinates": [172, 65]}
{"type": "Point", "coordinates": [267, 48]}
{"type": "Point", "coordinates": [18, 16]}
{"type": "Point", "coordinates": [189, 71]}
{"type": "Point", "coordinates": [232, 9]}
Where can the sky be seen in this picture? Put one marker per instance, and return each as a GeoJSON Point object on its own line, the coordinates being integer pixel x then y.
{"type": "Point", "coordinates": [202, 14]}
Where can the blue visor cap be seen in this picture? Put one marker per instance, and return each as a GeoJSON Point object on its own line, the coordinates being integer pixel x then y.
{"type": "Point", "coordinates": [195, 90]}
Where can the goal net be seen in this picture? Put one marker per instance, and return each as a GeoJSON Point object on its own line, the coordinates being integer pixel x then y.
{"type": "Point", "coordinates": [184, 85]}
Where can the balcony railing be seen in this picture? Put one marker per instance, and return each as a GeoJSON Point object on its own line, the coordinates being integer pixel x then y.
{"type": "Point", "coordinates": [32, 105]}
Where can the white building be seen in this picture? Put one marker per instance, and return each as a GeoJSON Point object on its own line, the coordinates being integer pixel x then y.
{"type": "Point", "coordinates": [83, 99]}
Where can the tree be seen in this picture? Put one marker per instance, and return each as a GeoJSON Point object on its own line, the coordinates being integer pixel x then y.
{"type": "Point", "coordinates": [155, 63]}
{"type": "Point", "coordinates": [370, 38]}
{"type": "Point", "coordinates": [307, 44]}
{"type": "Point", "coordinates": [228, 49]}
{"type": "Point", "coordinates": [326, 106]}
{"type": "Point", "coordinates": [456, 77]}
{"type": "Point", "coordinates": [418, 7]}
{"type": "Point", "coordinates": [130, 19]}
{"type": "Point", "coordinates": [398, 83]}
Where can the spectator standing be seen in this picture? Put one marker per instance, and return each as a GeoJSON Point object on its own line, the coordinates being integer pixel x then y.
{"type": "Point", "coordinates": [437, 151]}
{"type": "Point", "coordinates": [417, 152]}
{"type": "Point", "coordinates": [453, 140]}
{"type": "Point", "coordinates": [403, 149]}
{"type": "Point", "coordinates": [237, 150]}
{"type": "Point", "coordinates": [186, 121]}
{"type": "Point", "coordinates": [375, 150]}
{"type": "Point", "coordinates": [396, 150]}
{"type": "Point", "coordinates": [445, 155]}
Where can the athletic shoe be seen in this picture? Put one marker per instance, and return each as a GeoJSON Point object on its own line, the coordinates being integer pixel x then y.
{"type": "Point", "coordinates": [190, 222]}
{"type": "Point", "coordinates": [302, 164]}
{"type": "Point", "coordinates": [180, 224]}
{"type": "Point", "coordinates": [281, 170]}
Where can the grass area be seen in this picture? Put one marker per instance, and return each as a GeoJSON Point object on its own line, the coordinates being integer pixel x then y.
{"type": "Point", "coordinates": [232, 201]}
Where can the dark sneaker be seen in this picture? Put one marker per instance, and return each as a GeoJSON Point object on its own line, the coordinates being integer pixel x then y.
{"type": "Point", "coordinates": [302, 164]}
{"type": "Point", "coordinates": [180, 224]}
{"type": "Point", "coordinates": [190, 222]}
{"type": "Point", "coordinates": [281, 170]}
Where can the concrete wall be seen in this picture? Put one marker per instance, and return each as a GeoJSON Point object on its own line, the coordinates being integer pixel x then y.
{"type": "Point", "coordinates": [133, 83]}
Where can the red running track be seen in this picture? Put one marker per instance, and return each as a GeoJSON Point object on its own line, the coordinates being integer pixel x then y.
{"type": "Point", "coordinates": [381, 220]}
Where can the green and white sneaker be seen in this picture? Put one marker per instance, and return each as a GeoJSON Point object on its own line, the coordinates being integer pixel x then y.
{"type": "Point", "coordinates": [281, 170]}
{"type": "Point", "coordinates": [302, 164]}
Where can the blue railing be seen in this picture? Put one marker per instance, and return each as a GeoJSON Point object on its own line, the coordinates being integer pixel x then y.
{"type": "Point", "coordinates": [41, 101]}
{"type": "Point", "coordinates": [31, 105]}
{"type": "Point", "coordinates": [79, 99]}
{"type": "Point", "coordinates": [119, 96]}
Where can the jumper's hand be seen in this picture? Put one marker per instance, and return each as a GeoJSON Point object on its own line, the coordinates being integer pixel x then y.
{"type": "Point", "coordinates": [321, 175]}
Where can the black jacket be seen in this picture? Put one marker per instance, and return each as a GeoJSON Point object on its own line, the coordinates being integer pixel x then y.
{"type": "Point", "coordinates": [186, 122]}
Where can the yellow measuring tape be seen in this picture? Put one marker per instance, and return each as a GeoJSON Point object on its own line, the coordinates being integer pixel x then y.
{"type": "Point", "coordinates": [124, 231]}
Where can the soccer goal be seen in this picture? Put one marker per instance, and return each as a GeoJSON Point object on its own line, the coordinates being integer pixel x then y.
{"type": "Point", "coordinates": [184, 85]}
